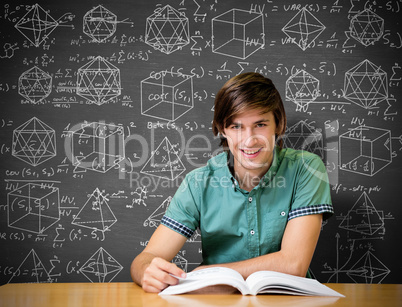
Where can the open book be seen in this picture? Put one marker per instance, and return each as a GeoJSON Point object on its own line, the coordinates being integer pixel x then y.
{"type": "Point", "coordinates": [262, 282]}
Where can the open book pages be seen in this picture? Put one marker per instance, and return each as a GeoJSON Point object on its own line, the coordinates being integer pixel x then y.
{"type": "Point", "coordinates": [258, 282]}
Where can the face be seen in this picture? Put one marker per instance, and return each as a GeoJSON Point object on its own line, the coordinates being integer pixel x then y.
{"type": "Point", "coordinates": [251, 140]}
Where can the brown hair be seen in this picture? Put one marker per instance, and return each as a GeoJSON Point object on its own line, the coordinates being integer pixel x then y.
{"type": "Point", "coordinates": [244, 92]}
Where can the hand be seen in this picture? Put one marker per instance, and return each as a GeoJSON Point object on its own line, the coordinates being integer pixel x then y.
{"type": "Point", "coordinates": [157, 275]}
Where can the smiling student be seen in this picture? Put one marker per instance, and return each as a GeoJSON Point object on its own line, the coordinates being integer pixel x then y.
{"type": "Point", "coordinates": [258, 206]}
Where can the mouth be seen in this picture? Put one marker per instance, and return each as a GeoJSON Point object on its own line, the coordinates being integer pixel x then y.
{"type": "Point", "coordinates": [251, 153]}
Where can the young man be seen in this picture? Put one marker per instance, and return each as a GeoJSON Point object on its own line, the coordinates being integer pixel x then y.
{"type": "Point", "coordinates": [258, 206]}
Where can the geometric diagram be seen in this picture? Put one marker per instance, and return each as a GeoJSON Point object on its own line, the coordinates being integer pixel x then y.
{"type": "Point", "coordinates": [155, 218]}
{"type": "Point", "coordinates": [365, 150]}
{"type": "Point", "coordinates": [181, 262]}
{"type": "Point", "coordinates": [167, 95]}
{"type": "Point", "coordinates": [164, 162]}
{"type": "Point", "coordinates": [36, 25]}
{"type": "Point", "coordinates": [34, 142]}
{"type": "Point", "coordinates": [363, 217]}
{"type": "Point", "coordinates": [303, 29]}
{"type": "Point", "coordinates": [33, 207]}
{"type": "Point", "coordinates": [99, 23]}
{"type": "Point", "coordinates": [31, 270]}
{"type": "Point", "coordinates": [98, 81]}
{"type": "Point", "coordinates": [96, 213]}
{"type": "Point", "coordinates": [101, 267]}
{"type": "Point", "coordinates": [35, 84]}
{"type": "Point", "coordinates": [366, 27]}
{"type": "Point", "coordinates": [368, 269]}
{"type": "Point", "coordinates": [167, 30]}
{"type": "Point", "coordinates": [97, 146]}
{"type": "Point", "coordinates": [238, 33]}
{"type": "Point", "coordinates": [302, 89]}
{"type": "Point", "coordinates": [366, 85]}
{"type": "Point", "coordinates": [304, 136]}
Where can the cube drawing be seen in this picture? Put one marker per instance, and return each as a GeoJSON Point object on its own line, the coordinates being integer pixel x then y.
{"type": "Point", "coordinates": [167, 95]}
{"type": "Point", "coordinates": [33, 207]}
{"type": "Point", "coordinates": [98, 146]}
{"type": "Point", "coordinates": [238, 33]}
{"type": "Point", "coordinates": [365, 150]}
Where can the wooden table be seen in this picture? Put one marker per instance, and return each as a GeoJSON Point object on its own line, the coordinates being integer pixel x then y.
{"type": "Point", "coordinates": [129, 294]}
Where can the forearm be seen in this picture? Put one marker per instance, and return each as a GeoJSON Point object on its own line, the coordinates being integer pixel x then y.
{"type": "Point", "coordinates": [138, 266]}
{"type": "Point", "coordinates": [278, 261]}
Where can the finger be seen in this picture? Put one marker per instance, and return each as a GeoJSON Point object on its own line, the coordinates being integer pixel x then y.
{"type": "Point", "coordinates": [173, 269]}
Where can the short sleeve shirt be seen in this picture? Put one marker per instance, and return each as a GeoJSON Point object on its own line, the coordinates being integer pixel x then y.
{"type": "Point", "coordinates": [236, 224]}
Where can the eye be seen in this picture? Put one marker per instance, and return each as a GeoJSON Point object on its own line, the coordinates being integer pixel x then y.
{"type": "Point", "coordinates": [235, 127]}
{"type": "Point", "coordinates": [261, 125]}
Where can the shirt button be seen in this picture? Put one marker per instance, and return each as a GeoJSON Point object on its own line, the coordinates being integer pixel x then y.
{"type": "Point", "coordinates": [250, 199]}
{"type": "Point", "coordinates": [283, 213]}
{"type": "Point", "coordinates": [252, 232]}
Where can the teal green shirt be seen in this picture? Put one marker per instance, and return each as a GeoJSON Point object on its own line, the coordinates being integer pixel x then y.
{"type": "Point", "coordinates": [236, 224]}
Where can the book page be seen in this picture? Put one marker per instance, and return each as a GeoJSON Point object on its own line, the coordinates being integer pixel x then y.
{"type": "Point", "coordinates": [272, 282]}
{"type": "Point", "coordinates": [208, 277]}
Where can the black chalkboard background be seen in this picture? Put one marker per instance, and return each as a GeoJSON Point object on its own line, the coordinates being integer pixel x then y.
{"type": "Point", "coordinates": [79, 86]}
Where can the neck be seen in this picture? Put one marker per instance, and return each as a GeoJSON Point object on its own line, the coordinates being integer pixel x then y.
{"type": "Point", "coordinates": [249, 178]}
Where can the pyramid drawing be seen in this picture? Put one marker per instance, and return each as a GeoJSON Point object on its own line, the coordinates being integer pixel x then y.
{"type": "Point", "coordinates": [101, 267]}
{"type": "Point", "coordinates": [96, 213]}
{"type": "Point", "coordinates": [368, 270]}
{"type": "Point", "coordinates": [155, 218]}
{"type": "Point", "coordinates": [363, 217]}
{"type": "Point", "coordinates": [164, 162]}
{"type": "Point", "coordinates": [31, 270]}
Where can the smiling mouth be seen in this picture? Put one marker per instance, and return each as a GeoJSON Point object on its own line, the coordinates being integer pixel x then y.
{"type": "Point", "coordinates": [251, 152]}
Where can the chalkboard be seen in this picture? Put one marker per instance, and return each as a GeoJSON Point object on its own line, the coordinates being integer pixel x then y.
{"type": "Point", "coordinates": [105, 107]}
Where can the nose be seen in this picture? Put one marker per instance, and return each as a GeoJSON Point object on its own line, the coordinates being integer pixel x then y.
{"type": "Point", "coordinates": [250, 138]}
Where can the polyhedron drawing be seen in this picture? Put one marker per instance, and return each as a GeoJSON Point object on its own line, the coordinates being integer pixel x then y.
{"type": "Point", "coordinates": [365, 150]}
{"type": "Point", "coordinates": [181, 262]}
{"type": "Point", "coordinates": [34, 142]}
{"type": "Point", "coordinates": [36, 25]}
{"type": "Point", "coordinates": [33, 207]}
{"type": "Point", "coordinates": [35, 84]}
{"type": "Point", "coordinates": [363, 217]}
{"type": "Point", "coordinates": [99, 23]}
{"type": "Point", "coordinates": [167, 95]}
{"type": "Point", "coordinates": [304, 28]}
{"type": "Point", "coordinates": [167, 30]}
{"type": "Point", "coordinates": [366, 27]}
{"type": "Point", "coordinates": [31, 270]}
{"type": "Point", "coordinates": [366, 85]}
{"type": "Point", "coordinates": [96, 213]}
{"type": "Point", "coordinates": [98, 81]}
{"type": "Point", "coordinates": [101, 267]}
{"type": "Point", "coordinates": [303, 136]}
{"type": "Point", "coordinates": [98, 146]}
{"type": "Point", "coordinates": [238, 33]}
{"type": "Point", "coordinates": [155, 218]}
{"type": "Point", "coordinates": [368, 270]}
{"type": "Point", "coordinates": [302, 89]}
{"type": "Point", "coordinates": [164, 162]}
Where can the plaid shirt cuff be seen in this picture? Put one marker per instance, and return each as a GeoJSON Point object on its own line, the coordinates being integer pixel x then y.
{"type": "Point", "coordinates": [317, 209]}
{"type": "Point", "coordinates": [176, 226]}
